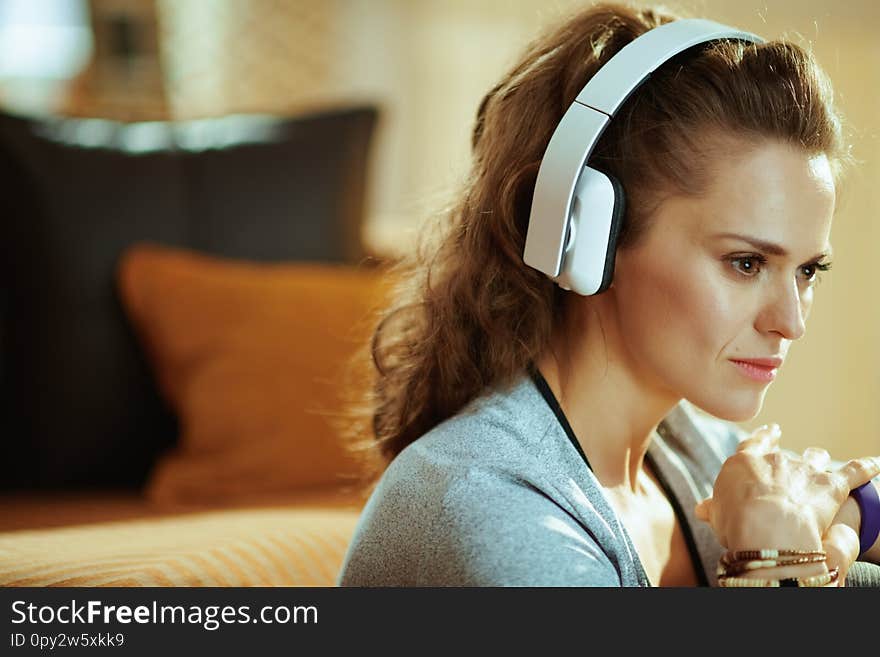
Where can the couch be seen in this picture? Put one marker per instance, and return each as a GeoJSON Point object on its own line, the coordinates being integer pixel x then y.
{"type": "Point", "coordinates": [179, 307]}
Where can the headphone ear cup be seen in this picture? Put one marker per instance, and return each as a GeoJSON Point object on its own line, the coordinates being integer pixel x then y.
{"type": "Point", "coordinates": [617, 216]}
{"type": "Point", "coordinates": [595, 220]}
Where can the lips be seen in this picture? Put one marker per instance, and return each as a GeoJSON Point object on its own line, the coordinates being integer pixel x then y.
{"type": "Point", "coordinates": [772, 362]}
{"type": "Point", "coordinates": [758, 369]}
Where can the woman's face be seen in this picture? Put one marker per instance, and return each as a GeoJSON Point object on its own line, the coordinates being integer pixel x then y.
{"type": "Point", "coordinates": [725, 277]}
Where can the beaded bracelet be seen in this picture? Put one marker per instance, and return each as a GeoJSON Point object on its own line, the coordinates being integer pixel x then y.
{"type": "Point", "coordinates": [743, 555]}
{"type": "Point", "coordinates": [732, 564]}
{"type": "Point", "coordinates": [732, 568]}
{"type": "Point", "coordinates": [814, 581]}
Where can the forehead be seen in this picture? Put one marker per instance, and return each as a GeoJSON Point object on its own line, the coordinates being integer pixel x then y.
{"type": "Point", "coordinates": [773, 191]}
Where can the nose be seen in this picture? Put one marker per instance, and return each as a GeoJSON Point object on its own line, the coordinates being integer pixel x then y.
{"type": "Point", "coordinates": [786, 311]}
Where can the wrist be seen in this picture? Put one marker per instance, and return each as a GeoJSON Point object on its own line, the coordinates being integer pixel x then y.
{"type": "Point", "coordinates": [770, 523]}
{"type": "Point", "coordinates": [805, 540]}
{"type": "Point", "coordinates": [849, 515]}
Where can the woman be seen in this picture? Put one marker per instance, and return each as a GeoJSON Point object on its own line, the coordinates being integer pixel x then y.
{"type": "Point", "coordinates": [540, 437]}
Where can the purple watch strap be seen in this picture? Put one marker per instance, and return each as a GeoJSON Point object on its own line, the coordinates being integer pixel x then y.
{"type": "Point", "coordinates": [869, 503]}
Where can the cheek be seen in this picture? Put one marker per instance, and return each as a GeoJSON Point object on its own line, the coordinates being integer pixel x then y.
{"type": "Point", "coordinates": [679, 325]}
{"type": "Point", "coordinates": [674, 316]}
{"type": "Point", "coordinates": [807, 303]}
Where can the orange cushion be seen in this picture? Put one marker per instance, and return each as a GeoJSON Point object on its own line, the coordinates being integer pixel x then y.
{"type": "Point", "coordinates": [253, 359]}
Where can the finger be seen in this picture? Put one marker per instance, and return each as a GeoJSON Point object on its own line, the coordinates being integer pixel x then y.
{"type": "Point", "coordinates": [841, 545]}
{"type": "Point", "coordinates": [817, 457]}
{"type": "Point", "coordinates": [860, 471]}
{"type": "Point", "coordinates": [702, 510]}
{"type": "Point", "coordinates": [763, 439]}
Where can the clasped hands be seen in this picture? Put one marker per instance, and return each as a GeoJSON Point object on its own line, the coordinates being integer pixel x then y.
{"type": "Point", "coordinates": [767, 498]}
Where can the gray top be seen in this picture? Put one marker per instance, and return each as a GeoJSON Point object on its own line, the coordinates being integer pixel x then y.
{"type": "Point", "coordinates": [498, 495]}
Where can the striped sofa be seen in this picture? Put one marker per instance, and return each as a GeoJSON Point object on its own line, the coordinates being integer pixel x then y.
{"type": "Point", "coordinates": [122, 540]}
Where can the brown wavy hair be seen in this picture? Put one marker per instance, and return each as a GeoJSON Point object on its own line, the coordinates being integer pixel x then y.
{"type": "Point", "coordinates": [467, 315]}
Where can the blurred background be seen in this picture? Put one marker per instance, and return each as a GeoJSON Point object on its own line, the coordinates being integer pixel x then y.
{"type": "Point", "coordinates": [200, 198]}
{"type": "Point", "coordinates": [120, 72]}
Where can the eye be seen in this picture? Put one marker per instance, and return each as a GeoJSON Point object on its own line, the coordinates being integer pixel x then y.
{"type": "Point", "coordinates": [748, 265]}
{"type": "Point", "coordinates": [811, 271]}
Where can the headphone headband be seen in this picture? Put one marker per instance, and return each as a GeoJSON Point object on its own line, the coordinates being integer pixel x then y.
{"type": "Point", "coordinates": [584, 122]}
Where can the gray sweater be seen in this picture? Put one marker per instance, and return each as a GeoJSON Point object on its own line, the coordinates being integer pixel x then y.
{"type": "Point", "coordinates": [499, 495]}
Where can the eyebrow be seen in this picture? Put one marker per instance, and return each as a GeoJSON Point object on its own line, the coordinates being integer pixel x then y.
{"type": "Point", "coordinates": [770, 247]}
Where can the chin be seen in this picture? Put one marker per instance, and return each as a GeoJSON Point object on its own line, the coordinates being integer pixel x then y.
{"type": "Point", "coordinates": [731, 407]}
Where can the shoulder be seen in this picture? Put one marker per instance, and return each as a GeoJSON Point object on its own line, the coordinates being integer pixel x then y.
{"type": "Point", "coordinates": [502, 432]}
{"type": "Point", "coordinates": [498, 530]}
{"type": "Point", "coordinates": [467, 505]}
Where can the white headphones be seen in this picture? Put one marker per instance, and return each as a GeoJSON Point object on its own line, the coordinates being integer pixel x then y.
{"type": "Point", "coordinates": [576, 210]}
